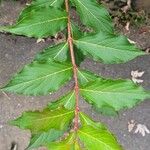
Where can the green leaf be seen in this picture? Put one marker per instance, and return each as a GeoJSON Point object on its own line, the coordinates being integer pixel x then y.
{"type": "Point", "coordinates": [106, 110]}
{"type": "Point", "coordinates": [41, 23]}
{"type": "Point", "coordinates": [76, 33]}
{"type": "Point", "coordinates": [69, 144]}
{"type": "Point", "coordinates": [67, 101]}
{"type": "Point", "coordinates": [85, 77]}
{"type": "Point", "coordinates": [94, 15]}
{"type": "Point", "coordinates": [85, 120]}
{"type": "Point", "coordinates": [96, 139]}
{"type": "Point", "coordinates": [114, 94]}
{"type": "Point", "coordinates": [57, 53]}
{"type": "Point", "coordinates": [39, 122]}
{"type": "Point", "coordinates": [40, 78]}
{"type": "Point", "coordinates": [95, 135]}
{"type": "Point", "coordinates": [108, 48]}
{"type": "Point", "coordinates": [91, 136]}
{"type": "Point", "coordinates": [36, 4]}
{"type": "Point", "coordinates": [79, 57]}
{"type": "Point", "coordinates": [44, 138]}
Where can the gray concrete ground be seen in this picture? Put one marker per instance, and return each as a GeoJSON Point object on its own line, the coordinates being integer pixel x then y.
{"type": "Point", "coordinates": [16, 51]}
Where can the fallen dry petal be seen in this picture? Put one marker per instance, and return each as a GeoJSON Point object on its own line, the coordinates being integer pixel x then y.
{"type": "Point", "coordinates": [142, 129]}
{"type": "Point", "coordinates": [132, 42]}
{"type": "Point", "coordinates": [131, 125]}
{"type": "Point", "coordinates": [127, 26]}
{"type": "Point", "coordinates": [135, 80]}
{"type": "Point", "coordinates": [40, 40]}
{"type": "Point", "coordinates": [137, 73]}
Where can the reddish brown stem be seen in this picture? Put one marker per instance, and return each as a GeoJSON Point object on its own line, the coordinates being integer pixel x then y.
{"type": "Point", "coordinates": [75, 71]}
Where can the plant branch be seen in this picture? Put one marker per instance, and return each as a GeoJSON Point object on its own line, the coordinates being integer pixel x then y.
{"type": "Point", "coordinates": [76, 86]}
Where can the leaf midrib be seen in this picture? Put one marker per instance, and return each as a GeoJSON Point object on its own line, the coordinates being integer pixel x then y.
{"type": "Point", "coordinates": [60, 50]}
{"type": "Point", "coordinates": [102, 46]}
{"type": "Point", "coordinates": [82, 75]}
{"type": "Point", "coordinates": [108, 92]}
{"type": "Point", "coordinates": [27, 82]}
{"type": "Point", "coordinates": [95, 139]}
{"type": "Point", "coordinates": [37, 7]}
{"type": "Point", "coordinates": [56, 116]}
{"type": "Point", "coordinates": [67, 102]}
{"type": "Point", "coordinates": [92, 14]}
{"type": "Point", "coordinates": [39, 23]}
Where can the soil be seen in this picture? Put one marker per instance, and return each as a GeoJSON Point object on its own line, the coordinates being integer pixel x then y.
{"type": "Point", "coordinates": [16, 51]}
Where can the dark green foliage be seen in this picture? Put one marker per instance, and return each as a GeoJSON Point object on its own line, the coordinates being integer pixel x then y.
{"type": "Point", "coordinates": [52, 68]}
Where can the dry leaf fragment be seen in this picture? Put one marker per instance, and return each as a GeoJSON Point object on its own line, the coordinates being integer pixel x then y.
{"type": "Point", "coordinates": [132, 42]}
{"type": "Point", "coordinates": [135, 75]}
{"type": "Point", "coordinates": [131, 125]}
{"type": "Point", "coordinates": [142, 129]}
{"type": "Point", "coordinates": [137, 80]}
{"type": "Point", "coordinates": [147, 50]}
{"type": "Point", "coordinates": [127, 27]}
{"type": "Point", "coordinates": [40, 40]}
{"type": "Point", "coordinates": [127, 7]}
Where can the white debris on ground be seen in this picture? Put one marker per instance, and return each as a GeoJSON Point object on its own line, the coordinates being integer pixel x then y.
{"type": "Point", "coordinates": [147, 50]}
{"type": "Point", "coordinates": [136, 75]}
{"type": "Point", "coordinates": [6, 95]}
{"type": "Point", "coordinates": [18, 105]}
{"type": "Point", "coordinates": [1, 126]}
{"type": "Point", "coordinates": [131, 41]}
{"type": "Point", "coordinates": [142, 129]}
{"type": "Point", "coordinates": [40, 40]}
{"type": "Point", "coordinates": [125, 10]}
{"type": "Point", "coordinates": [138, 128]}
{"type": "Point", "coordinates": [131, 125]}
{"type": "Point", "coordinates": [127, 27]}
